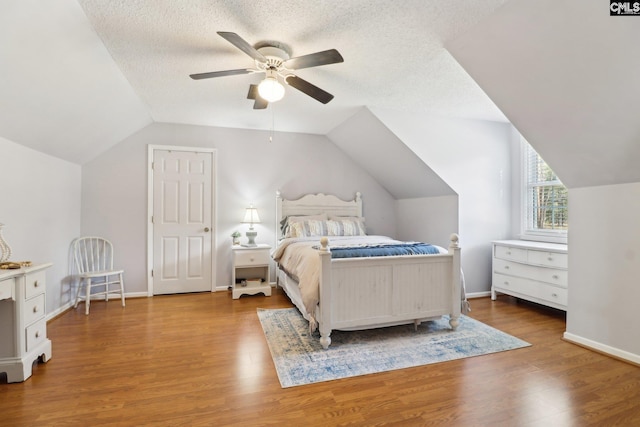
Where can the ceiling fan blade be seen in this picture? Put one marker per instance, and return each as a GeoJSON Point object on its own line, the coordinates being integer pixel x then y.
{"type": "Point", "coordinates": [242, 44]}
{"type": "Point", "coordinates": [211, 74]}
{"type": "Point", "coordinates": [313, 91]}
{"type": "Point", "coordinates": [260, 103]}
{"type": "Point", "coordinates": [331, 56]}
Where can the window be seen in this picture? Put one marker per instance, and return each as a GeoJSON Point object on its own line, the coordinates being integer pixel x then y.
{"type": "Point", "coordinates": [545, 200]}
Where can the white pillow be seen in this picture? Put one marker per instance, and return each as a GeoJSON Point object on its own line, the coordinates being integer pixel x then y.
{"type": "Point", "coordinates": [290, 220]}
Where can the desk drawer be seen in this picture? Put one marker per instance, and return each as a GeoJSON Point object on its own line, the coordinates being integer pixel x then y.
{"type": "Point", "coordinates": [36, 334]}
{"type": "Point", "coordinates": [35, 284]}
{"type": "Point", "coordinates": [33, 309]}
{"type": "Point", "coordinates": [6, 289]}
{"type": "Point", "coordinates": [251, 257]}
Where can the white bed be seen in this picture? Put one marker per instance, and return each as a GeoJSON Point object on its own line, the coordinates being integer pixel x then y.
{"type": "Point", "coordinates": [365, 292]}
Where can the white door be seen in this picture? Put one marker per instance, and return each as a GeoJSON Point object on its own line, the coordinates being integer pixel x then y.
{"type": "Point", "coordinates": [182, 221]}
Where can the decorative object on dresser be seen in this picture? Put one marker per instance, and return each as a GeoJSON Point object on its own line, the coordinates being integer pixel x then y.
{"type": "Point", "coordinates": [251, 217]}
{"type": "Point", "coordinates": [533, 271]}
{"type": "Point", "coordinates": [250, 271]}
{"type": "Point", "coordinates": [93, 258]}
{"type": "Point", "coordinates": [23, 327]}
{"type": "Point", "coordinates": [5, 249]}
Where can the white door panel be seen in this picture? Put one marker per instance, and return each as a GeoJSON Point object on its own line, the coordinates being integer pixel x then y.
{"type": "Point", "coordinates": [182, 221]}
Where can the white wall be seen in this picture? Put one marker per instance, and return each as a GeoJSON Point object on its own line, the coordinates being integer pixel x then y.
{"type": "Point", "coordinates": [474, 158]}
{"type": "Point", "coordinates": [249, 170]}
{"type": "Point", "coordinates": [604, 268]}
{"type": "Point", "coordinates": [40, 207]}
{"type": "Point", "coordinates": [428, 219]}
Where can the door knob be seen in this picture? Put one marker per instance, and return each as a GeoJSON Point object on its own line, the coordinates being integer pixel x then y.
{"type": "Point", "coordinates": [206, 229]}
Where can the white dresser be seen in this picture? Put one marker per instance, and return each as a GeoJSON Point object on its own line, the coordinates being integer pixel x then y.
{"type": "Point", "coordinates": [533, 271]}
{"type": "Point", "coordinates": [23, 327]}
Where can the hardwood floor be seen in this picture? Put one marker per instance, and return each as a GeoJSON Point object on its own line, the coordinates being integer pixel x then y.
{"type": "Point", "coordinates": [201, 359]}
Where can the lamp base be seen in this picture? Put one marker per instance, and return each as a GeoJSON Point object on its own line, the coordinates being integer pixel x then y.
{"type": "Point", "coordinates": [251, 235]}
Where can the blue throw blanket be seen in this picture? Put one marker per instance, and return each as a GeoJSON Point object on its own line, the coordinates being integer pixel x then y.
{"type": "Point", "coordinates": [415, 248]}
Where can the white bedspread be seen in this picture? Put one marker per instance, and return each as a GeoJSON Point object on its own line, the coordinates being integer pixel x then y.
{"type": "Point", "coordinates": [300, 260]}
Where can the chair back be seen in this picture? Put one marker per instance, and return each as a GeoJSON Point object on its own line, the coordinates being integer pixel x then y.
{"type": "Point", "coordinates": [93, 254]}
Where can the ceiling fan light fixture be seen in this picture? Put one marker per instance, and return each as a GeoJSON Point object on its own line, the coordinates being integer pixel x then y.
{"type": "Point", "coordinates": [270, 89]}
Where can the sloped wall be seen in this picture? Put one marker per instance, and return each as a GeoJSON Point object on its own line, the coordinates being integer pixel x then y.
{"type": "Point", "coordinates": [474, 158]}
{"type": "Point", "coordinates": [565, 73]}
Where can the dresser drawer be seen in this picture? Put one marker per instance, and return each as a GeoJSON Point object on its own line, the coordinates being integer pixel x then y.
{"type": "Point", "coordinates": [509, 253]}
{"type": "Point", "coordinates": [251, 257]}
{"type": "Point", "coordinates": [6, 289]}
{"type": "Point", "coordinates": [33, 309]}
{"type": "Point", "coordinates": [510, 284]}
{"type": "Point", "coordinates": [549, 275]}
{"type": "Point", "coordinates": [36, 334]}
{"type": "Point", "coordinates": [35, 284]}
{"type": "Point", "coordinates": [553, 294]}
{"type": "Point", "coordinates": [548, 259]}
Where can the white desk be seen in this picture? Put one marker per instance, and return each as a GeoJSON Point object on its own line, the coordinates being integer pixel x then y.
{"type": "Point", "coordinates": [23, 327]}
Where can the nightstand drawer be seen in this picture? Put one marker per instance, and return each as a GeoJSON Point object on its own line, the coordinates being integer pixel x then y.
{"type": "Point", "coordinates": [251, 257]}
{"type": "Point", "coordinates": [35, 284]}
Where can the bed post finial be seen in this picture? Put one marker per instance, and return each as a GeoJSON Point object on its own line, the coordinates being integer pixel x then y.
{"type": "Point", "coordinates": [324, 244]}
{"type": "Point", "coordinates": [454, 240]}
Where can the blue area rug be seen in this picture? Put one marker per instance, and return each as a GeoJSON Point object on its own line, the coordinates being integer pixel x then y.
{"type": "Point", "coordinates": [300, 359]}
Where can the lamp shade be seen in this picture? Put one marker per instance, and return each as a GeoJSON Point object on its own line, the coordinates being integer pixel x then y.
{"type": "Point", "coordinates": [251, 216]}
{"type": "Point", "coordinates": [270, 89]}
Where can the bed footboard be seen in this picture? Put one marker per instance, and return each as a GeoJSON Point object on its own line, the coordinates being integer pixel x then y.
{"type": "Point", "coordinates": [369, 292]}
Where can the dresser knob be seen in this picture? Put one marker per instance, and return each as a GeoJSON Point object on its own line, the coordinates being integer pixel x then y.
{"type": "Point", "coordinates": [35, 308]}
{"type": "Point", "coordinates": [506, 267]}
{"type": "Point", "coordinates": [554, 295]}
{"type": "Point", "coordinates": [506, 283]}
{"type": "Point", "coordinates": [550, 258]}
{"type": "Point", "coordinates": [555, 276]}
{"type": "Point", "coordinates": [251, 259]}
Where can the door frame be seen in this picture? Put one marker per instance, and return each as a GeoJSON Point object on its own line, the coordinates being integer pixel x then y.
{"type": "Point", "coordinates": [151, 148]}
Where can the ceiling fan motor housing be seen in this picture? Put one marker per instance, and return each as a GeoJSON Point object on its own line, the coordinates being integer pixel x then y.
{"type": "Point", "coordinates": [275, 56]}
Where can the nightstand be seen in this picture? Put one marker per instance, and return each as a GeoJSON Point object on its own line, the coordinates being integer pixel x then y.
{"type": "Point", "coordinates": [250, 270]}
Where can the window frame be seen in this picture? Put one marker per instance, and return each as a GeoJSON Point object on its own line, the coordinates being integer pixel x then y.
{"type": "Point", "coordinates": [526, 232]}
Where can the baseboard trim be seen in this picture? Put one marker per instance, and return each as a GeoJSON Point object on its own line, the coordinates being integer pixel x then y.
{"type": "Point", "coordinates": [479, 295]}
{"type": "Point", "coordinates": [616, 353]}
{"type": "Point", "coordinates": [69, 305]}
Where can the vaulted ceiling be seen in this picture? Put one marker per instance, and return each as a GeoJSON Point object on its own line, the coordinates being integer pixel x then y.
{"type": "Point", "coordinates": [78, 76]}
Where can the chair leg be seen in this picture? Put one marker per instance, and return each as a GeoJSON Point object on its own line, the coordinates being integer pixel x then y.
{"type": "Point", "coordinates": [80, 282]}
{"type": "Point", "coordinates": [87, 301]}
{"type": "Point", "coordinates": [122, 288]}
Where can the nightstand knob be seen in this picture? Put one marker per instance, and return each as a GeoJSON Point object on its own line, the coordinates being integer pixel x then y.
{"type": "Point", "coordinates": [206, 229]}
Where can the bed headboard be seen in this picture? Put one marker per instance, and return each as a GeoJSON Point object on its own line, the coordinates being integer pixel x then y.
{"type": "Point", "coordinates": [312, 204]}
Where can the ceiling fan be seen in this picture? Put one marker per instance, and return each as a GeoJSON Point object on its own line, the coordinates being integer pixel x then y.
{"type": "Point", "coordinates": [273, 59]}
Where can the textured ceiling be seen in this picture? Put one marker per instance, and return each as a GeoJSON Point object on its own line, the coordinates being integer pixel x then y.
{"type": "Point", "coordinates": [393, 51]}
{"type": "Point", "coordinates": [79, 76]}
